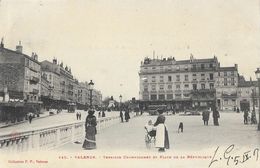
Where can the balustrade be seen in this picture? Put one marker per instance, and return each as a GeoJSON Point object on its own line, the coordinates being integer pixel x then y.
{"type": "Point", "coordinates": [51, 137]}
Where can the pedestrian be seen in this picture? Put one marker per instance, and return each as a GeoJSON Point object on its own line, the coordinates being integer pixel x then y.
{"type": "Point", "coordinates": [215, 116]}
{"type": "Point", "coordinates": [162, 138]}
{"type": "Point", "coordinates": [253, 118]}
{"type": "Point", "coordinates": [245, 117]}
{"type": "Point", "coordinates": [121, 116]}
{"type": "Point", "coordinates": [237, 110]}
{"type": "Point", "coordinates": [79, 116]}
{"type": "Point", "coordinates": [91, 131]}
{"type": "Point", "coordinates": [127, 116]}
{"type": "Point", "coordinates": [99, 114]}
{"type": "Point", "coordinates": [205, 117]}
{"type": "Point", "coordinates": [30, 118]}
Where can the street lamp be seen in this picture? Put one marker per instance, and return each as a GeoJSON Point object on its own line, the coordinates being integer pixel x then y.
{"type": "Point", "coordinates": [120, 98]}
{"type": "Point", "coordinates": [91, 86]}
{"type": "Point", "coordinates": [257, 73]}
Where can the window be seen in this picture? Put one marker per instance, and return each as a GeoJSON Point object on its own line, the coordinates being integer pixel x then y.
{"type": "Point", "coordinates": [225, 73]}
{"type": "Point", "coordinates": [211, 76]}
{"type": "Point", "coordinates": [169, 87]}
{"type": "Point", "coordinates": [202, 76]}
{"type": "Point", "coordinates": [153, 87]}
{"type": "Point", "coordinates": [194, 86]}
{"type": "Point", "coordinates": [232, 73]}
{"type": "Point", "coordinates": [153, 97]}
{"type": "Point", "coordinates": [186, 77]}
{"type": "Point", "coordinates": [169, 78]}
{"type": "Point", "coordinates": [169, 96]}
{"type": "Point", "coordinates": [194, 76]}
{"type": "Point", "coordinates": [161, 97]}
{"type": "Point", "coordinates": [186, 68]}
{"type": "Point", "coordinates": [177, 77]}
{"type": "Point", "coordinates": [202, 86]}
{"type": "Point", "coordinates": [153, 79]}
{"type": "Point", "coordinates": [161, 87]}
{"type": "Point", "coordinates": [178, 96]}
{"type": "Point", "coordinates": [218, 73]}
{"type": "Point", "coordinates": [178, 87]}
{"type": "Point", "coordinates": [202, 66]}
{"type": "Point", "coordinates": [225, 81]}
{"type": "Point", "coordinates": [186, 95]}
{"type": "Point", "coordinates": [211, 65]}
{"type": "Point", "coordinates": [161, 79]}
{"type": "Point", "coordinates": [232, 81]}
{"type": "Point", "coordinates": [211, 85]}
{"type": "Point", "coordinates": [233, 102]}
{"type": "Point", "coordinates": [145, 79]}
{"type": "Point", "coordinates": [153, 67]}
{"type": "Point", "coordinates": [186, 86]}
{"type": "Point", "coordinates": [194, 66]}
{"type": "Point", "coordinates": [146, 88]}
{"type": "Point", "coordinates": [169, 68]}
{"type": "Point", "coordinates": [177, 68]}
{"type": "Point", "coordinates": [226, 102]}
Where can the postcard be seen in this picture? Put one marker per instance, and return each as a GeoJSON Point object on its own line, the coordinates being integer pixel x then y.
{"type": "Point", "coordinates": [112, 83]}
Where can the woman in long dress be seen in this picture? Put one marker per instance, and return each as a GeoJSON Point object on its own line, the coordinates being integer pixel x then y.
{"type": "Point", "coordinates": [90, 129]}
{"type": "Point", "coordinates": [162, 139]}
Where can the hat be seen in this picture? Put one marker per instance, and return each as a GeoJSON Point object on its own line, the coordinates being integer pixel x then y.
{"type": "Point", "coordinates": [91, 112]}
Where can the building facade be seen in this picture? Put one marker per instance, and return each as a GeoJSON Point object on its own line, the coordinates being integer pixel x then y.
{"type": "Point", "coordinates": [226, 87]}
{"type": "Point", "coordinates": [20, 78]}
{"type": "Point", "coordinates": [178, 84]}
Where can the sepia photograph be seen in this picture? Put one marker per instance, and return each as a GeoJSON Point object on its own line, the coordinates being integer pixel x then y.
{"type": "Point", "coordinates": [128, 83]}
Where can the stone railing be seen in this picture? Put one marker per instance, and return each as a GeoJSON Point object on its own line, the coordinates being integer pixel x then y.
{"type": "Point", "coordinates": [51, 137]}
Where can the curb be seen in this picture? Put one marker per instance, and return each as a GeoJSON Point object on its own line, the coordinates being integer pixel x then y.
{"type": "Point", "coordinates": [12, 124]}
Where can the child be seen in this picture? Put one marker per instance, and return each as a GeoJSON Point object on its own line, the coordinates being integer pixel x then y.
{"type": "Point", "coordinates": [149, 126]}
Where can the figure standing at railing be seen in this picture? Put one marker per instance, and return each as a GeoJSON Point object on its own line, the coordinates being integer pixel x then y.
{"type": "Point", "coordinates": [30, 118]}
{"type": "Point", "coordinates": [121, 116]}
{"type": "Point", "coordinates": [90, 128]}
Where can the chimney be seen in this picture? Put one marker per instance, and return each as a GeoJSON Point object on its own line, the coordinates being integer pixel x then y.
{"type": "Point", "coordinates": [54, 61]}
{"type": "Point", "coordinates": [19, 48]}
{"type": "Point", "coordinates": [2, 43]}
{"type": "Point", "coordinates": [35, 57]}
{"type": "Point", "coordinates": [191, 58]}
{"type": "Point", "coordinates": [236, 66]}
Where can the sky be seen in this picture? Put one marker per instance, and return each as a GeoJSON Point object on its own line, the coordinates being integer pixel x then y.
{"type": "Point", "coordinates": [106, 40]}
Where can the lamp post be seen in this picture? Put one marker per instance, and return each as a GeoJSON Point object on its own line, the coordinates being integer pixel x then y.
{"type": "Point", "coordinates": [91, 86]}
{"type": "Point", "coordinates": [120, 98]}
{"type": "Point", "coordinates": [257, 73]}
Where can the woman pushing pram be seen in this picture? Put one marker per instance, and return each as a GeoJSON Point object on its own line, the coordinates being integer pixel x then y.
{"type": "Point", "coordinates": [150, 134]}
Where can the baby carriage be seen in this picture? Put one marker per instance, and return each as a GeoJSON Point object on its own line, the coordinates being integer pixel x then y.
{"type": "Point", "coordinates": [150, 138]}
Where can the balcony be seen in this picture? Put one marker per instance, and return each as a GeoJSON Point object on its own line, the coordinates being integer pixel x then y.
{"type": "Point", "coordinates": [34, 91]}
{"type": "Point", "coordinates": [34, 80]}
{"type": "Point", "coordinates": [229, 95]}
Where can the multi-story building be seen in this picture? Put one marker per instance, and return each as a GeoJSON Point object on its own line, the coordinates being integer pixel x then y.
{"type": "Point", "coordinates": [20, 77]}
{"type": "Point", "coordinates": [51, 70]}
{"type": "Point", "coordinates": [247, 92]}
{"type": "Point", "coordinates": [179, 84]}
{"type": "Point", "coordinates": [226, 87]}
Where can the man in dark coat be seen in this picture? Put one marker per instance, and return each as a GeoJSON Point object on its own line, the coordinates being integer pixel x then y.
{"type": "Point", "coordinates": [205, 117]}
{"type": "Point", "coordinates": [245, 117]}
{"type": "Point", "coordinates": [215, 116]}
{"type": "Point", "coordinates": [121, 116]}
{"type": "Point", "coordinates": [127, 116]}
